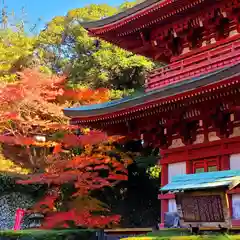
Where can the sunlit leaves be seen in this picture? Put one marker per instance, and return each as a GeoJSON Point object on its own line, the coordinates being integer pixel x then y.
{"type": "Point", "coordinates": [90, 63]}
{"type": "Point", "coordinates": [31, 98]}
{"type": "Point", "coordinates": [125, 5]}
{"type": "Point", "coordinates": [87, 96]}
{"type": "Point", "coordinates": [15, 50]}
{"type": "Point", "coordinates": [28, 106]}
{"type": "Point", "coordinates": [154, 172]}
{"type": "Point", "coordinates": [92, 12]}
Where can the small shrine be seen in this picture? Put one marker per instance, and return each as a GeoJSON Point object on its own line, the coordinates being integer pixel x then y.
{"type": "Point", "coordinates": [190, 108]}
{"type": "Point", "coordinates": [202, 199]}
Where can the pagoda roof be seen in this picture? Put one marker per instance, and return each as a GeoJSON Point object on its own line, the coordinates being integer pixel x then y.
{"type": "Point", "coordinates": [133, 29]}
{"type": "Point", "coordinates": [206, 180]}
{"type": "Point", "coordinates": [159, 9]}
{"type": "Point", "coordinates": [148, 99]}
{"type": "Point", "coordinates": [121, 15]}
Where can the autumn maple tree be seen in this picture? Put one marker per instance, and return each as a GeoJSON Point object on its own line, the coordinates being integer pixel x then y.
{"type": "Point", "coordinates": [32, 106]}
{"type": "Point", "coordinates": [84, 172]}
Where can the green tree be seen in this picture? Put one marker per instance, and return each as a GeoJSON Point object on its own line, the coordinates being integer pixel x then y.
{"type": "Point", "coordinates": [16, 50]}
{"type": "Point", "coordinates": [125, 5]}
{"type": "Point", "coordinates": [66, 46]}
{"type": "Point", "coordinates": [129, 4]}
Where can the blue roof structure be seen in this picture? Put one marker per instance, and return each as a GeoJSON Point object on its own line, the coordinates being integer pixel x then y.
{"type": "Point", "coordinates": [203, 180]}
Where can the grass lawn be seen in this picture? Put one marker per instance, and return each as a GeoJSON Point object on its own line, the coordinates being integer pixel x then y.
{"type": "Point", "coordinates": [181, 234]}
{"type": "Point", "coordinates": [204, 237]}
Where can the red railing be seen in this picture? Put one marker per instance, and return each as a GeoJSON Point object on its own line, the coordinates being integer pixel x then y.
{"type": "Point", "coordinates": [196, 65]}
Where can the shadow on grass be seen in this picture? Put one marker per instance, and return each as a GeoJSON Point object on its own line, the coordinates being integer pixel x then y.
{"type": "Point", "coordinates": [34, 234]}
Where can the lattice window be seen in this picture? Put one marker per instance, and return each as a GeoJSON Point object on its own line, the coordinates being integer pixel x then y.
{"type": "Point", "coordinates": [207, 165]}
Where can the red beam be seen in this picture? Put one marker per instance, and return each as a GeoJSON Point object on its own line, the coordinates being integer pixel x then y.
{"type": "Point", "coordinates": [204, 150]}
{"type": "Point", "coordinates": [166, 196]}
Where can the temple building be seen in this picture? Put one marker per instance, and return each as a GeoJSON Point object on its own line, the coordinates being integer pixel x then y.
{"type": "Point", "coordinates": [190, 108]}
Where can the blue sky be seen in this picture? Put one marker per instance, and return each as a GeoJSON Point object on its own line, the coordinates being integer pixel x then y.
{"type": "Point", "coordinates": [47, 9]}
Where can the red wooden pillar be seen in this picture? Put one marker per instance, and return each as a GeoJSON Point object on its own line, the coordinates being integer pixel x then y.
{"type": "Point", "coordinates": [164, 208]}
{"type": "Point", "coordinates": [164, 202]}
{"type": "Point", "coordinates": [189, 167]}
{"type": "Point", "coordinates": [224, 163]}
{"type": "Point", "coordinates": [164, 175]}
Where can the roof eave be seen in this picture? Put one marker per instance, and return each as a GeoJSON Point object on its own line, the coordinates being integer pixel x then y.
{"type": "Point", "coordinates": [200, 181]}
{"type": "Point", "coordinates": [119, 16]}
{"type": "Point", "coordinates": [163, 93]}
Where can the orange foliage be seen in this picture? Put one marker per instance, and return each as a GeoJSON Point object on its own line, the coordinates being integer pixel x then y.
{"type": "Point", "coordinates": [31, 102]}
{"type": "Point", "coordinates": [84, 171]}
{"type": "Point", "coordinates": [27, 107]}
{"type": "Point", "coordinates": [37, 99]}
{"type": "Point", "coordinates": [33, 105]}
{"type": "Point", "coordinates": [87, 96]}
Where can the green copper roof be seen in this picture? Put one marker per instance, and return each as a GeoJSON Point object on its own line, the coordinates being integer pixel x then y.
{"type": "Point", "coordinates": [203, 180]}
{"type": "Point", "coordinates": [164, 92]}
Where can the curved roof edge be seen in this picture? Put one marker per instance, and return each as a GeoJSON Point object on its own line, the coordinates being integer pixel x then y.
{"type": "Point", "coordinates": [202, 180]}
{"type": "Point", "coordinates": [121, 15]}
{"type": "Point", "coordinates": [168, 91]}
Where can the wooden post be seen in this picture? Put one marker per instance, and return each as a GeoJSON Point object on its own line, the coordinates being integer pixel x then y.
{"type": "Point", "coordinates": [164, 203]}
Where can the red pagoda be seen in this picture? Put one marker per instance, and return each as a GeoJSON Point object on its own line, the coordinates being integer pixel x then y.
{"type": "Point", "coordinates": [190, 109]}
